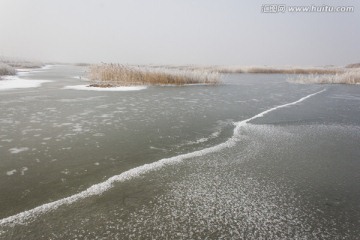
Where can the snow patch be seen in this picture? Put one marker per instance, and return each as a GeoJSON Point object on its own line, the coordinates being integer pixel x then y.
{"type": "Point", "coordinates": [23, 170]}
{"type": "Point", "coordinates": [112, 89]}
{"type": "Point", "coordinates": [11, 172]}
{"type": "Point", "coordinates": [18, 150]}
{"type": "Point", "coordinates": [13, 82]}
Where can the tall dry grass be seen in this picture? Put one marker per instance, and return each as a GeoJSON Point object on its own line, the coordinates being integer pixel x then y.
{"type": "Point", "coordinates": [108, 75]}
{"type": "Point", "coordinates": [351, 76]}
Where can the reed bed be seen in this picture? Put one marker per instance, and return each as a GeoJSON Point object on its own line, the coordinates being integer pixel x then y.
{"type": "Point", "coordinates": [351, 76]}
{"type": "Point", "coordinates": [274, 70]}
{"type": "Point", "coordinates": [110, 75]}
{"type": "Point", "coordinates": [255, 69]}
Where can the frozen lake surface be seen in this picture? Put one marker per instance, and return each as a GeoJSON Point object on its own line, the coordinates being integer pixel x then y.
{"type": "Point", "coordinates": [254, 158]}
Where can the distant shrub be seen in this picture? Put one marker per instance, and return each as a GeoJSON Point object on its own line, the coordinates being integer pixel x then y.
{"type": "Point", "coordinates": [354, 65]}
{"type": "Point", "coordinates": [18, 63]}
{"type": "Point", "coordinates": [5, 69]}
{"type": "Point", "coordinates": [82, 64]}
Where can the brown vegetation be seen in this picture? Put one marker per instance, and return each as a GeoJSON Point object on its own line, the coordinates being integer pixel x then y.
{"type": "Point", "coordinates": [125, 75]}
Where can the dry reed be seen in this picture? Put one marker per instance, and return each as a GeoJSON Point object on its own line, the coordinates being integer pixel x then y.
{"type": "Point", "coordinates": [109, 75]}
{"type": "Point", "coordinates": [351, 76]}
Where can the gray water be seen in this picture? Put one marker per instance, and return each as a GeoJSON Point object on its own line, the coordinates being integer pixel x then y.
{"type": "Point", "coordinates": [292, 173]}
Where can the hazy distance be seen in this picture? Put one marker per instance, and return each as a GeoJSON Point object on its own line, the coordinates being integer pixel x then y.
{"type": "Point", "coordinates": [228, 32]}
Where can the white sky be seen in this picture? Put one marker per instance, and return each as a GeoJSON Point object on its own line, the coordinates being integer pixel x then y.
{"type": "Point", "coordinates": [178, 32]}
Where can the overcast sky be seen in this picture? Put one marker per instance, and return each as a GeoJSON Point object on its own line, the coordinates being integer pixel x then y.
{"type": "Point", "coordinates": [231, 32]}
